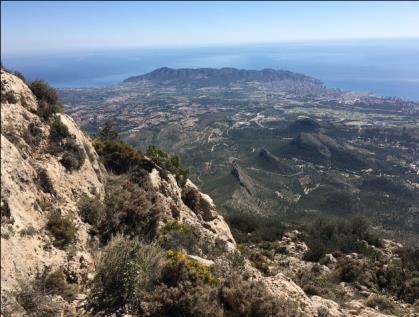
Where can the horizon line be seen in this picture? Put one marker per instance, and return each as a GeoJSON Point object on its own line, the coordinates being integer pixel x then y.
{"type": "Point", "coordinates": [199, 45]}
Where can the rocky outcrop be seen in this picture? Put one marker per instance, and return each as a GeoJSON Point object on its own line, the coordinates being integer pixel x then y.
{"type": "Point", "coordinates": [35, 182]}
{"type": "Point", "coordinates": [26, 168]}
{"type": "Point", "coordinates": [193, 208]}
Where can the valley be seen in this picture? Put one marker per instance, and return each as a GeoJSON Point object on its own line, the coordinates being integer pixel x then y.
{"type": "Point", "coordinates": [271, 142]}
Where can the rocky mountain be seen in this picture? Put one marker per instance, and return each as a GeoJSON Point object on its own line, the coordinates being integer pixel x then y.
{"type": "Point", "coordinates": [95, 227]}
{"type": "Point", "coordinates": [215, 77]}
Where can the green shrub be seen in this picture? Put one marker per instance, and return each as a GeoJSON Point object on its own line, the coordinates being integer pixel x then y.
{"type": "Point", "coordinates": [58, 130]}
{"type": "Point", "coordinates": [185, 294]}
{"type": "Point", "coordinates": [45, 182]}
{"type": "Point", "coordinates": [128, 210]}
{"type": "Point", "coordinates": [255, 228]}
{"type": "Point", "coordinates": [136, 278]}
{"type": "Point", "coordinates": [8, 97]}
{"type": "Point", "coordinates": [175, 226]}
{"type": "Point", "coordinates": [184, 300]}
{"type": "Point", "coordinates": [240, 297]}
{"type": "Point", "coordinates": [181, 268]}
{"type": "Point", "coordinates": [140, 176]}
{"type": "Point", "coordinates": [168, 162]}
{"type": "Point", "coordinates": [178, 236]}
{"type": "Point", "coordinates": [62, 228]}
{"type": "Point", "coordinates": [236, 259]}
{"type": "Point", "coordinates": [46, 111]}
{"type": "Point", "coordinates": [73, 156]}
{"type": "Point", "coordinates": [55, 283]}
{"type": "Point", "coordinates": [401, 277]}
{"type": "Point", "coordinates": [20, 75]}
{"type": "Point", "coordinates": [36, 302]}
{"type": "Point", "coordinates": [63, 143]}
{"type": "Point", "coordinates": [107, 132]}
{"type": "Point", "coordinates": [327, 235]}
{"type": "Point", "coordinates": [259, 261]}
{"type": "Point", "coordinates": [381, 302]}
{"type": "Point", "coordinates": [127, 269]}
{"type": "Point", "coordinates": [349, 270]}
{"type": "Point", "coordinates": [120, 157]}
{"type": "Point", "coordinates": [33, 134]}
{"type": "Point", "coordinates": [315, 283]}
{"type": "Point", "coordinates": [35, 297]}
{"type": "Point", "coordinates": [317, 250]}
{"type": "Point", "coordinates": [117, 156]}
{"type": "Point", "coordinates": [29, 231]}
{"type": "Point", "coordinates": [90, 209]}
{"type": "Point", "coordinates": [48, 103]}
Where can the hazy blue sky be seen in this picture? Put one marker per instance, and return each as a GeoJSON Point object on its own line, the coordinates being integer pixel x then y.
{"type": "Point", "coordinates": [33, 26]}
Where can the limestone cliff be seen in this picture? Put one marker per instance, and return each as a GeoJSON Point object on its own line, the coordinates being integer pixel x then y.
{"type": "Point", "coordinates": [26, 166]}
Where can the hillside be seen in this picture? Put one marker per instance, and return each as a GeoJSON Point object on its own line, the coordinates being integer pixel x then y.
{"type": "Point", "coordinates": [213, 77]}
{"type": "Point", "coordinates": [297, 147]}
{"type": "Point", "coordinates": [99, 228]}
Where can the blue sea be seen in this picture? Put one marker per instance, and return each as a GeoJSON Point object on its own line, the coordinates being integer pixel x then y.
{"type": "Point", "coordinates": [383, 67]}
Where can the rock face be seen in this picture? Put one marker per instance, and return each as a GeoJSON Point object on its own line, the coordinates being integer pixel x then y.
{"type": "Point", "coordinates": [24, 167]}
{"type": "Point", "coordinates": [193, 208]}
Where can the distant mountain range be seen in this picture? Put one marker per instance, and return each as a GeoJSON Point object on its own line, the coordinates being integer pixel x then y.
{"type": "Point", "coordinates": [215, 76]}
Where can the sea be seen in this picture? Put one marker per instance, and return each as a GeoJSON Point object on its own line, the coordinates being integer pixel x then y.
{"type": "Point", "coordinates": [387, 67]}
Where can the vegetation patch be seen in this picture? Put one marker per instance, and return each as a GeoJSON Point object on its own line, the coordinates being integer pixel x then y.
{"type": "Point", "coordinates": [168, 162]}
{"type": "Point", "coordinates": [62, 228]}
{"type": "Point", "coordinates": [47, 97]}
{"type": "Point", "coordinates": [383, 304]}
{"type": "Point", "coordinates": [401, 276]}
{"type": "Point", "coordinates": [58, 130]}
{"type": "Point", "coordinates": [6, 216]}
{"type": "Point", "coordinates": [117, 156]}
{"type": "Point", "coordinates": [127, 269]}
{"type": "Point", "coordinates": [36, 297]}
{"type": "Point", "coordinates": [73, 156]}
{"type": "Point", "coordinates": [250, 228]}
{"type": "Point", "coordinates": [8, 97]}
{"type": "Point", "coordinates": [33, 134]}
{"type": "Point", "coordinates": [45, 182]}
{"type": "Point", "coordinates": [128, 210]}
{"type": "Point", "coordinates": [28, 231]}
{"type": "Point", "coordinates": [241, 297]}
{"type": "Point", "coordinates": [55, 283]}
{"type": "Point", "coordinates": [326, 235]}
{"type": "Point", "coordinates": [63, 143]}
{"type": "Point", "coordinates": [179, 265]}
{"type": "Point", "coordinates": [178, 236]}
{"type": "Point", "coordinates": [91, 209]}
{"type": "Point", "coordinates": [314, 282]}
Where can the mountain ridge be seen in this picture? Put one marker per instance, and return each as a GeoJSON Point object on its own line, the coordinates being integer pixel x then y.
{"type": "Point", "coordinates": [225, 74]}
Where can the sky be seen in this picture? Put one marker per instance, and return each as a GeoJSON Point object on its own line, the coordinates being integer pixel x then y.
{"type": "Point", "coordinates": [48, 26]}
